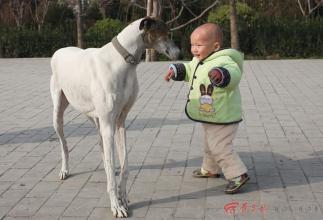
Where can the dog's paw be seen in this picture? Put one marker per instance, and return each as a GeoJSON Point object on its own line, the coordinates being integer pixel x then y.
{"type": "Point", "coordinates": [124, 202]}
{"type": "Point", "coordinates": [123, 199]}
{"type": "Point", "coordinates": [119, 211]}
{"type": "Point", "coordinates": [63, 174]}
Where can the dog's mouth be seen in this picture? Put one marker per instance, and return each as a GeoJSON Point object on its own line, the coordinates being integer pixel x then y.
{"type": "Point", "coordinates": [169, 49]}
{"type": "Point", "coordinates": [173, 53]}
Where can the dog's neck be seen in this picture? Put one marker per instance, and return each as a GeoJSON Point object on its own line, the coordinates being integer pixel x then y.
{"type": "Point", "coordinates": [131, 39]}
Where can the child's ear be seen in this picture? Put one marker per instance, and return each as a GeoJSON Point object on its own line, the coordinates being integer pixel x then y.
{"type": "Point", "coordinates": [217, 46]}
{"type": "Point", "coordinates": [210, 90]}
{"type": "Point", "coordinates": [202, 89]}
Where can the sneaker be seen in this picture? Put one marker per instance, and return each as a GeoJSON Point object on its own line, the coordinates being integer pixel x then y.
{"type": "Point", "coordinates": [201, 173]}
{"type": "Point", "coordinates": [236, 183]}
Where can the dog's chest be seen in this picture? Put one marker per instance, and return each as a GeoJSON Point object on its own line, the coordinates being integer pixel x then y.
{"type": "Point", "coordinates": [123, 86]}
{"type": "Point", "coordinates": [129, 88]}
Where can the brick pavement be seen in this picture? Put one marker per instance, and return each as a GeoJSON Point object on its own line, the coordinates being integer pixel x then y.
{"type": "Point", "coordinates": [280, 140]}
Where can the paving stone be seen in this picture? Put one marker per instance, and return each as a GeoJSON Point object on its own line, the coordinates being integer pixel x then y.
{"type": "Point", "coordinates": [302, 193]}
{"type": "Point", "coordinates": [219, 213]}
{"type": "Point", "coordinates": [92, 190]}
{"type": "Point", "coordinates": [148, 175]}
{"type": "Point", "coordinates": [3, 211]}
{"type": "Point", "coordinates": [160, 213]}
{"type": "Point", "coordinates": [4, 186]}
{"type": "Point", "coordinates": [16, 218]}
{"type": "Point", "coordinates": [279, 213]}
{"type": "Point", "coordinates": [49, 212]}
{"type": "Point", "coordinates": [43, 189]}
{"type": "Point", "coordinates": [81, 207]}
{"type": "Point", "coordinates": [165, 199]}
{"type": "Point", "coordinates": [193, 190]}
{"type": "Point", "coordinates": [279, 140]}
{"type": "Point", "coordinates": [72, 218]}
{"type": "Point", "coordinates": [27, 207]}
{"type": "Point", "coordinates": [190, 208]}
{"type": "Point", "coordinates": [24, 183]}
{"type": "Point", "coordinates": [139, 207]}
{"type": "Point", "coordinates": [13, 174]}
{"type": "Point", "coordinates": [11, 197]}
{"type": "Point", "coordinates": [169, 182]}
{"type": "Point", "coordinates": [61, 198]}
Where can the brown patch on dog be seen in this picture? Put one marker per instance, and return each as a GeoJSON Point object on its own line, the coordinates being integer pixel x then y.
{"type": "Point", "coordinates": [154, 30]}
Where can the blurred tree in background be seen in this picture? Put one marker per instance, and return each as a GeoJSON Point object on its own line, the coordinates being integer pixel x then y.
{"type": "Point", "coordinates": [264, 28]}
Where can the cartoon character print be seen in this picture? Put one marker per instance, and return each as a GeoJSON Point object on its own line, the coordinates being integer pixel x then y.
{"type": "Point", "coordinates": [206, 100]}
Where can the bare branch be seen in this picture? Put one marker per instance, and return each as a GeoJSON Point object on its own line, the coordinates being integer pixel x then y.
{"type": "Point", "coordinates": [156, 9]}
{"type": "Point", "coordinates": [174, 19]}
{"type": "Point", "coordinates": [188, 9]}
{"type": "Point", "coordinates": [308, 6]}
{"type": "Point", "coordinates": [45, 10]}
{"type": "Point", "coordinates": [18, 8]}
{"type": "Point", "coordinates": [318, 4]}
{"type": "Point", "coordinates": [196, 18]}
{"type": "Point", "coordinates": [301, 7]}
{"type": "Point", "coordinates": [134, 3]}
{"type": "Point", "coordinates": [311, 9]}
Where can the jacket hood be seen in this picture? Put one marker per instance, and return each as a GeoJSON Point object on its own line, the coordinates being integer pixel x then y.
{"type": "Point", "coordinates": [234, 54]}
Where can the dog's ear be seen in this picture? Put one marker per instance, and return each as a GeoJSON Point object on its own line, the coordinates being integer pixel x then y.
{"type": "Point", "coordinates": [147, 23]}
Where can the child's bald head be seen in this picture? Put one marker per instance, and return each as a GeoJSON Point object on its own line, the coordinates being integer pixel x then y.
{"type": "Point", "coordinates": [206, 39]}
{"type": "Point", "coordinates": [209, 31]}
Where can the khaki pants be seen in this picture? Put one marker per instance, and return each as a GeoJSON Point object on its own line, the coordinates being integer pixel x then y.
{"type": "Point", "coordinates": [219, 155]}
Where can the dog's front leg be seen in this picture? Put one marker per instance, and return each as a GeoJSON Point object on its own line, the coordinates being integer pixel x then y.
{"type": "Point", "coordinates": [107, 131]}
{"type": "Point", "coordinates": [123, 158]}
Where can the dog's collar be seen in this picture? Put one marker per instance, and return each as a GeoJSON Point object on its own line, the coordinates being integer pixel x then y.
{"type": "Point", "coordinates": [128, 57]}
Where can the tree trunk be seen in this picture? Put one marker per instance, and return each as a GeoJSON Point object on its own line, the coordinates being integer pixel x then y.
{"type": "Point", "coordinates": [152, 11]}
{"type": "Point", "coordinates": [18, 9]}
{"type": "Point", "coordinates": [233, 25]}
{"type": "Point", "coordinates": [79, 24]}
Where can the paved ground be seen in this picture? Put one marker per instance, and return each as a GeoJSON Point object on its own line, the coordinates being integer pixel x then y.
{"type": "Point", "coordinates": [280, 140]}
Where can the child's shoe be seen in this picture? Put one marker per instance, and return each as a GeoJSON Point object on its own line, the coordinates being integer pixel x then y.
{"type": "Point", "coordinates": [201, 173]}
{"type": "Point", "coordinates": [236, 183]}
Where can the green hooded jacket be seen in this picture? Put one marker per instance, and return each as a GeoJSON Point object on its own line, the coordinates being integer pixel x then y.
{"type": "Point", "coordinates": [210, 104]}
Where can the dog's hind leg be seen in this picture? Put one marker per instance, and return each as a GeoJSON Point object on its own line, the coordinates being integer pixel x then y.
{"type": "Point", "coordinates": [60, 104]}
{"type": "Point", "coordinates": [96, 122]}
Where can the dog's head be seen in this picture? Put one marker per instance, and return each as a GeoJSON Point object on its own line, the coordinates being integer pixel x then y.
{"type": "Point", "coordinates": [155, 36]}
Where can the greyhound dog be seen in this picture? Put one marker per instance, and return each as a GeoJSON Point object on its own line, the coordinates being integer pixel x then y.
{"type": "Point", "coordinates": [102, 84]}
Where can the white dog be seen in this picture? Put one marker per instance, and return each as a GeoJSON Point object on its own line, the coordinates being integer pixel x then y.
{"type": "Point", "coordinates": [102, 83]}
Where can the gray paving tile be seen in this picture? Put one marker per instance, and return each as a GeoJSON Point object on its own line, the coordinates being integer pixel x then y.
{"type": "Point", "coordinates": [27, 207]}
{"type": "Point", "coordinates": [81, 207]}
{"type": "Point", "coordinates": [160, 213]}
{"type": "Point", "coordinates": [49, 212]}
{"type": "Point", "coordinates": [280, 140]}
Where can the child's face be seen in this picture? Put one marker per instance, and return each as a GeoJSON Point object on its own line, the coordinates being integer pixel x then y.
{"type": "Point", "coordinates": [202, 45]}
